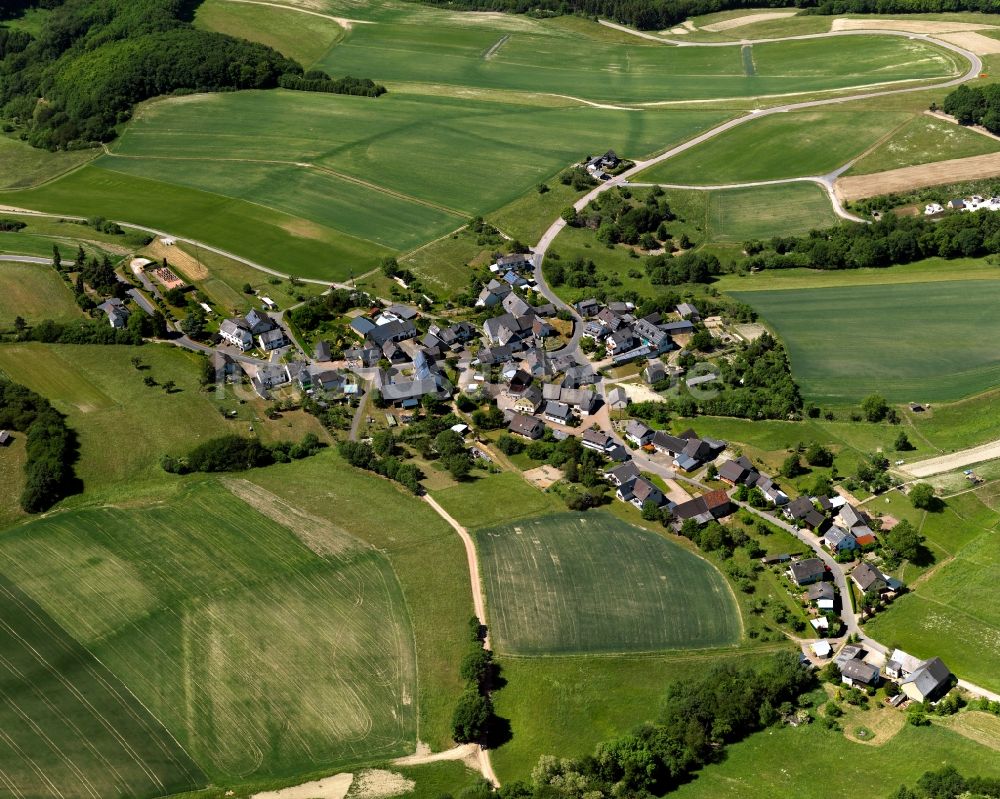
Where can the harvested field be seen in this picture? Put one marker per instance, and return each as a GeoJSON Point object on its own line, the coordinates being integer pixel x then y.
{"type": "Point", "coordinates": [571, 583]}
{"type": "Point", "coordinates": [976, 42]}
{"type": "Point", "coordinates": [956, 460]}
{"type": "Point", "coordinates": [910, 26]}
{"type": "Point", "coordinates": [189, 266]}
{"type": "Point", "coordinates": [749, 19]}
{"type": "Point", "coordinates": [543, 476]}
{"type": "Point", "coordinates": [911, 177]}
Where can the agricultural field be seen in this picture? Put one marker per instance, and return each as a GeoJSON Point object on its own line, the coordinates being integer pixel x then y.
{"type": "Point", "coordinates": [23, 166]}
{"type": "Point", "coordinates": [940, 336]}
{"type": "Point", "coordinates": [736, 215]}
{"type": "Point", "coordinates": [34, 292]}
{"type": "Point", "coordinates": [796, 144]}
{"type": "Point", "coordinates": [923, 140]}
{"type": "Point", "coordinates": [492, 500]}
{"type": "Point", "coordinates": [570, 583]}
{"type": "Point", "coordinates": [265, 648]}
{"type": "Point", "coordinates": [70, 727]}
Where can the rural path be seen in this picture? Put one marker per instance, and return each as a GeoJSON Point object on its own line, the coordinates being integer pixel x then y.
{"type": "Point", "coordinates": [478, 603]}
{"type": "Point", "coordinates": [30, 259]}
{"type": "Point", "coordinates": [460, 752]}
{"type": "Point", "coordinates": [955, 460]}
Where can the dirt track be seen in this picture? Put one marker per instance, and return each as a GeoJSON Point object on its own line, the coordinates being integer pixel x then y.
{"type": "Point", "coordinates": [956, 460]}
{"type": "Point", "coordinates": [749, 19]}
{"type": "Point", "coordinates": [910, 177]}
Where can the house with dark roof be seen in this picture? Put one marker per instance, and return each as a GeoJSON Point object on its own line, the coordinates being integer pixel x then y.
{"type": "Point", "coordinates": [273, 339]}
{"type": "Point", "coordinates": [856, 672]}
{"type": "Point", "coordinates": [322, 352]}
{"type": "Point", "coordinates": [739, 472]}
{"type": "Point", "coordinates": [818, 592]}
{"type": "Point", "coordinates": [929, 682]}
{"type": "Point", "coordinates": [654, 372]}
{"type": "Point", "coordinates": [867, 578]}
{"type": "Point", "coordinates": [558, 412]}
{"type": "Point", "coordinates": [703, 509]}
{"type": "Point", "coordinates": [689, 451]}
{"type": "Point", "coordinates": [805, 572]}
{"type": "Point", "coordinates": [364, 356]}
{"type": "Point", "coordinates": [677, 328]}
{"type": "Point", "coordinates": [623, 474]}
{"type": "Point", "coordinates": [235, 332]}
{"type": "Point", "coordinates": [362, 325]}
{"type": "Point", "coordinates": [587, 308]}
{"type": "Point", "coordinates": [772, 493]}
{"type": "Point", "coordinates": [394, 331]}
{"type": "Point", "coordinates": [687, 311]}
{"type": "Point", "coordinates": [640, 491]}
{"type": "Point", "coordinates": [529, 401]}
{"type": "Point", "coordinates": [638, 432]}
{"type": "Point", "coordinates": [492, 294]}
{"type": "Point", "coordinates": [597, 440]}
{"type": "Point", "coordinates": [838, 540]}
{"type": "Point", "coordinates": [116, 312]}
{"type": "Point", "coordinates": [526, 426]}
{"type": "Point", "coordinates": [518, 261]}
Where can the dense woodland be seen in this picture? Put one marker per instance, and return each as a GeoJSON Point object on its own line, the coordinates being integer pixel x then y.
{"type": "Point", "coordinates": [975, 105]}
{"type": "Point", "coordinates": [891, 240]}
{"type": "Point", "coordinates": [51, 446]}
{"type": "Point", "coordinates": [659, 14]}
{"type": "Point", "coordinates": [93, 60]}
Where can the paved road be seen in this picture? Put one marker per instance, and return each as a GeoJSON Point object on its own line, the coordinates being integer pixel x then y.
{"type": "Point", "coordinates": [31, 259]}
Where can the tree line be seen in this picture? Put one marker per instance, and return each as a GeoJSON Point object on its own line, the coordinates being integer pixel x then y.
{"type": "Point", "coordinates": [891, 240]}
{"type": "Point", "coordinates": [316, 80]}
{"type": "Point", "coordinates": [975, 105]}
{"type": "Point", "coordinates": [363, 456]}
{"type": "Point", "coordinates": [92, 60]}
{"type": "Point", "coordinates": [51, 446]}
{"type": "Point", "coordinates": [236, 454]}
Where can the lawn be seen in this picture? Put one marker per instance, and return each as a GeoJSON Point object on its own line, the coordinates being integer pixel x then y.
{"type": "Point", "coordinates": [569, 583]}
{"type": "Point", "coordinates": [911, 342]}
{"type": "Point", "coordinates": [265, 649]}
{"type": "Point", "coordinates": [921, 141]}
{"type": "Point", "coordinates": [494, 499]}
{"type": "Point", "coordinates": [70, 727]}
{"type": "Point", "coordinates": [34, 292]}
{"type": "Point", "coordinates": [789, 145]}
{"type": "Point", "coordinates": [303, 37]}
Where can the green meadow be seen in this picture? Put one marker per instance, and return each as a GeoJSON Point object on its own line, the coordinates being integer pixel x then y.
{"type": "Point", "coordinates": [923, 140]}
{"type": "Point", "coordinates": [34, 292]}
{"type": "Point", "coordinates": [913, 342]}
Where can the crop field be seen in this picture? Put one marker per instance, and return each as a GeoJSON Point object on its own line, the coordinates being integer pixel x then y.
{"type": "Point", "coordinates": [914, 342]}
{"type": "Point", "coordinates": [124, 427]}
{"type": "Point", "coordinates": [497, 52]}
{"type": "Point", "coordinates": [921, 141]}
{"type": "Point", "coordinates": [70, 728]}
{"type": "Point", "coordinates": [34, 292]}
{"type": "Point", "coordinates": [566, 583]}
{"type": "Point", "coordinates": [789, 145]}
{"type": "Point", "coordinates": [265, 650]}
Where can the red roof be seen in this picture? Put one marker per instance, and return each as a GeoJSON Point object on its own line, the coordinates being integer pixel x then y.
{"type": "Point", "coordinates": [865, 540]}
{"type": "Point", "coordinates": [716, 499]}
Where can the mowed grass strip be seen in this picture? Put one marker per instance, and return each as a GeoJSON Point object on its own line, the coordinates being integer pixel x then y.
{"type": "Point", "coordinates": [922, 141]}
{"type": "Point", "coordinates": [914, 342]}
{"type": "Point", "coordinates": [261, 656]}
{"type": "Point", "coordinates": [569, 583]}
{"type": "Point", "coordinates": [796, 144]}
{"type": "Point", "coordinates": [68, 726]}
{"type": "Point", "coordinates": [34, 292]}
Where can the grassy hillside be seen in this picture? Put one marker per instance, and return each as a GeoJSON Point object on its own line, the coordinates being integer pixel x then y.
{"type": "Point", "coordinates": [34, 292]}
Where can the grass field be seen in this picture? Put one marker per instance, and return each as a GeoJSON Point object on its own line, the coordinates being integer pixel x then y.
{"type": "Point", "coordinates": [921, 141]}
{"type": "Point", "coordinates": [779, 146]}
{"type": "Point", "coordinates": [124, 427]}
{"type": "Point", "coordinates": [495, 499]}
{"type": "Point", "coordinates": [570, 583]}
{"type": "Point", "coordinates": [910, 342]}
{"type": "Point", "coordinates": [22, 166]}
{"type": "Point", "coordinates": [264, 652]}
{"type": "Point", "coordinates": [805, 761]}
{"type": "Point", "coordinates": [303, 37]}
{"type": "Point", "coordinates": [34, 292]}
{"type": "Point", "coordinates": [740, 214]}
{"type": "Point", "coordinates": [566, 706]}
{"type": "Point", "coordinates": [70, 727]}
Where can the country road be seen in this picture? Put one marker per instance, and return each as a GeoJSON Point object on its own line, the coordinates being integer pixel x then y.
{"type": "Point", "coordinates": [31, 259]}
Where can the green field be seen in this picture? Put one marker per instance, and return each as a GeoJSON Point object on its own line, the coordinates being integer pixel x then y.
{"type": "Point", "coordinates": [913, 342]}
{"type": "Point", "coordinates": [34, 292]}
{"type": "Point", "coordinates": [566, 583]}
{"type": "Point", "coordinates": [266, 649]}
{"type": "Point", "coordinates": [736, 215]}
{"type": "Point", "coordinates": [22, 166]}
{"type": "Point", "coordinates": [921, 141]}
{"type": "Point", "coordinates": [70, 727]}
{"type": "Point", "coordinates": [490, 51]}
{"type": "Point", "coordinates": [795, 144]}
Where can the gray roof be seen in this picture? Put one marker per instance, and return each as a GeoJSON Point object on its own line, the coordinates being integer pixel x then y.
{"type": "Point", "coordinates": [867, 576]}
{"type": "Point", "coordinates": [930, 678]}
{"type": "Point", "coordinates": [808, 569]}
{"type": "Point", "coordinates": [859, 671]}
{"type": "Point", "coordinates": [558, 410]}
{"type": "Point", "coordinates": [526, 425]}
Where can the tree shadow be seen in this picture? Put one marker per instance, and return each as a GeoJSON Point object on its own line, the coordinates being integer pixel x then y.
{"type": "Point", "coordinates": [498, 732]}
